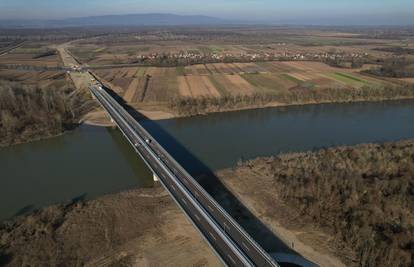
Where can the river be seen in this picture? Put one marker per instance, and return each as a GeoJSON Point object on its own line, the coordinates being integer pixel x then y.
{"type": "Point", "coordinates": [92, 161]}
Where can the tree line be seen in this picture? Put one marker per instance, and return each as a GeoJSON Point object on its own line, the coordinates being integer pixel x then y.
{"type": "Point", "coordinates": [31, 112]}
{"type": "Point", "coordinates": [363, 195]}
{"type": "Point", "coordinates": [189, 106]}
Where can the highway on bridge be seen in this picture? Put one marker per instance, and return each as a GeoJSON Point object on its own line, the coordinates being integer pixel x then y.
{"type": "Point", "coordinates": [225, 236]}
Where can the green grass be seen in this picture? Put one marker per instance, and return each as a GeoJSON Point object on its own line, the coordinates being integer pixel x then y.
{"type": "Point", "coordinates": [222, 90]}
{"type": "Point", "coordinates": [291, 78]}
{"type": "Point", "coordinates": [304, 84]}
{"type": "Point", "coordinates": [349, 77]}
{"type": "Point", "coordinates": [141, 71]}
{"type": "Point", "coordinates": [22, 50]}
{"type": "Point", "coordinates": [180, 71]}
{"type": "Point", "coordinates": [211, 49]}
{"type": "Point", "coordinates": [216, 49]}
{"type": "Point", "coordinates": [308, 85]}
{"type": "Point", "coordinates": [101, 49]}
{"type": "Point", "coordinates": [194, 51]}
{"type": "Point", "coordinates": [262, 82]}
{"type": "Point", "coordinates": [142, 49]}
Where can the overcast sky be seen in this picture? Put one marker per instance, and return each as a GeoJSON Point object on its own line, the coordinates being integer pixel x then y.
{"type": "Point", "coordinates": [369, 11]}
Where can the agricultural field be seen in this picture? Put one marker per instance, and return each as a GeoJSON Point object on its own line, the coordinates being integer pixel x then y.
{"type": "Point", "coordinates": [242, 44]}
{"type": "Point", "coordinates": [153, 66]}
{"type": "Point", "coordinates": [32, 54]}
{"type": "Point", "coordinates": [42, 79]}
{"type": "Point", "coordinates": [157, 84]}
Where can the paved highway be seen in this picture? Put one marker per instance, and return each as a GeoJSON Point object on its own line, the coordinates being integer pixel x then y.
{"type": "Point", "coordinates": [231, 243]}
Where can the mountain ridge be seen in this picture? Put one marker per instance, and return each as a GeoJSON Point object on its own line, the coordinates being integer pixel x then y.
{"type": "Point", "coordinates": [146, 19]}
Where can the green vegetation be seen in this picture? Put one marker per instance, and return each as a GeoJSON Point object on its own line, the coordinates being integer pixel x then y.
{"type": "Point", "coordinates": [262, 81]}
{"type": "Point", "coordinates": [30, 113]}
{"type": "Point", "coordinates": [46, 53]}
{"type": "Point", "coordinates": [222, 90]}
{"type": "Point", "coordinates": [348, 79]}
{"type": "Point", "coordinates": [29, 50]}
{"type": "Point", "coordinates": [216, 49]}
{"type": "Point", "coordinates": [308, 85]}
{"type": "Point", "coordinates": [100, 49]}
{"type": "Point", "coordinates": [395, 68]}
{"type": "Point", "coordinates": [349, 76]}
{"type": "Point", "coordinates": [180, 71]}
{"type": "Point", "coordinates": [211, 49]}
{"type": "Point", "coordinates": [398, 50]}
{"type": "Point", "coordinates": [363, 196]}
{"type": "Point", "coordinates": [141, 71]}
{"type": "Point", "coordinates": [291, 78]}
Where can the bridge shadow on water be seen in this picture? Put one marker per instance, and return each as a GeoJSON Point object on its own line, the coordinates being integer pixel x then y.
{"type": "Point", "coordinates": [212, 184]}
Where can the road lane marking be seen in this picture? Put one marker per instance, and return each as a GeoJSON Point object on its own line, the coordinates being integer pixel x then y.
{"type": "Point", "coordinates": [215, 239]}
{"type": "Point", "coordinates": [228, 255]}
{"type": "Point", "coordinates": [183, 200]}
{"type": "Point", "coordinates": [148, 148]}
{"type": "Point", "coordinates": [244, 245]}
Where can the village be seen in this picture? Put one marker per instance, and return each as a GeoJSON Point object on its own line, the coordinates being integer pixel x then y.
{"type": "Point", "coordinates": [184, 58]}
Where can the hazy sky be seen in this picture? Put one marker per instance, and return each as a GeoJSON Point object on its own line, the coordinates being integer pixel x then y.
{"type": "Point", "coordinates": [385, 11]}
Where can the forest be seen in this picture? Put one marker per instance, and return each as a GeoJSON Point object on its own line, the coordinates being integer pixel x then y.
{"type": "Point", "coordinates": [187, 106]}
{"type": "Point", "coordinates": [363, 196]}
{"type": "Point", "coordinates": [29, 112]}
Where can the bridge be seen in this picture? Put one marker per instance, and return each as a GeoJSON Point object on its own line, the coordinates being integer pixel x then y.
{"type": "Point", "coordinates": [224, 235]}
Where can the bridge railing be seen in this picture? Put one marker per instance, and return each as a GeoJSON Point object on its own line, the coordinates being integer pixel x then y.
{"type": "Point", "coordinates": [225, 217]}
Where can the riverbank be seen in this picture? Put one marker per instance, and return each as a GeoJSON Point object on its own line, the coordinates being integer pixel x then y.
{"type": "Point", "coordinates": [325, 204]}
{"type": "Point", "coordinates": [185, 106]}
{"type": "Point", "coordinates": [349, 203]}
{"type": "Point", "coordinates": [140, 227]}
{"type": "Point", "coordinates": [100, 118]}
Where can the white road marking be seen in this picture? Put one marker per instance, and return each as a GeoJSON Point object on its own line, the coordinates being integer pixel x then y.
{"type": "Point", "coordinates": [212, 236]}
{"type": "Point", "coordinates": [185, 202]}
{"type": "Point", "coordinates": [244, 245]}
{"type": "Point", "coordinates": [231, 258]}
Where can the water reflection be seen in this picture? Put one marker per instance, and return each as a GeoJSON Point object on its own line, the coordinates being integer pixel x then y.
{"type": "Point", "coordinates": [219, 140]}
{"type": "Point", "coordinates": [89, 160]}
{"type": "Point", "coordinates": [97, 161]}
{"type": "Point", "coordinates": [137, 165]}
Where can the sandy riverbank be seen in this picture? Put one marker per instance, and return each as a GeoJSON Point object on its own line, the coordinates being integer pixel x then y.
{"type": "Point", "coordinates": [100, 118]}
{"type": "Point", "coordinates": [144, 227]}
{"type": "Point", "coordinates": [141, 227]}
{"type": "Point", "coordinates": [345, 206]}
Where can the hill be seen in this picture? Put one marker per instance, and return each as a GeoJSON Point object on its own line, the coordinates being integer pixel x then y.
{"type": "Point", "coordinates": [154, 19]}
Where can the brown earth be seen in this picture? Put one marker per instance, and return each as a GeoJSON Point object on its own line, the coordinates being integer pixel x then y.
{"type": "Point", "coordinates": [239, 85]}
{"type": "Point", "coordinates": [141, 227]}
{"type": "Point", "coordinates": [183, 87]}
{"type": "Point", "coordinates": [349, 203]}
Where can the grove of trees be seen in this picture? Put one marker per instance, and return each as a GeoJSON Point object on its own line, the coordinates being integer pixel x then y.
{"type": "Point", "coordinates": [30, 112]}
